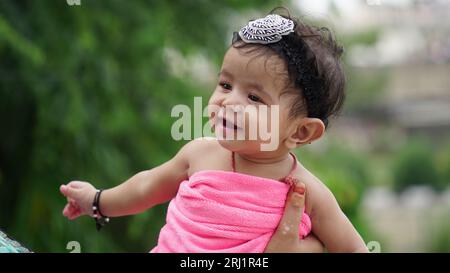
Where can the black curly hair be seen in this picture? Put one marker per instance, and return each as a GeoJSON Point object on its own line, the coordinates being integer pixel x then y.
{"type": "Point", "coordinates": [312, 57]}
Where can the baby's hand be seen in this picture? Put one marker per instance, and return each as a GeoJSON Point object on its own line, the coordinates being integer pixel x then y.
{"type": "Point", "coordinates": [80, 196]}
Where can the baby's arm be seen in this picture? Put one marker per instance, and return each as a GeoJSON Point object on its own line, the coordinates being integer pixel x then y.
{"type": "Point", "coordinates": [140, 192]}
{"type": "Point", "coordinates": [331, 225]}
{"type": "Point", "coordinates": [147, 188]}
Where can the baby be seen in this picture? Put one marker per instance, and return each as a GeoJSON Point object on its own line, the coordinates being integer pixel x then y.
{"type": "Point", "coordinates": [227, 194]}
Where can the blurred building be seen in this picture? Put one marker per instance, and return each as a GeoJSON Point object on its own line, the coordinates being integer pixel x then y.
{"type": "Point", "coordinates": [412, 50]}
{"type": "Point", "coordinates": [414, 47]}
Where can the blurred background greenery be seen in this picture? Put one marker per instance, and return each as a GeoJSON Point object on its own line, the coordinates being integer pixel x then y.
{"type": "Point", "coordinates": [86, 94]}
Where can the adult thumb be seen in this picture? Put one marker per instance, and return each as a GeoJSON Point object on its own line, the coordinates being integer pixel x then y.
{"type": "Point", "coordinates": [296, 196]}
{"type": "Point", "coordinates": [293, 211]}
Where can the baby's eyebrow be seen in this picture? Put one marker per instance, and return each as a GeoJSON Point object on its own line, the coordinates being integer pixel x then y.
{"type": "Point", "coordinates": [225, 73]}
{"type": "Point", "coordinates": [252, 85]}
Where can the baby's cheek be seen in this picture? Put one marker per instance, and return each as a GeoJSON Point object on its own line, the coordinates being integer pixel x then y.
{"type": "Point", "coordinates": [250, 121]}
{"type": "Point", "coordinates": [269, 117]}
{"type": "Point", "coordinates": [272, 122]}
{"type": "Point", "coordinates": [256, 124]}
{"type": "Point", "coordinates": [213, 110]}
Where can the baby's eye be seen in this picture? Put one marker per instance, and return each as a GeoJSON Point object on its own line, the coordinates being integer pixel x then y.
{"type": "Point", "coordinates": [225, 85]}
{"type": "Point", "coordinates": [254, 98]}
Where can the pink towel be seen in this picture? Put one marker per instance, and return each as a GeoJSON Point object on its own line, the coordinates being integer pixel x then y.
{"type": "Point", "coordinates": [221, 211]}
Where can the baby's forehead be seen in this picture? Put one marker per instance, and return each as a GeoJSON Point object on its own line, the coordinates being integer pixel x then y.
{"type": "Point", "coordinates": [257, 65]}
{"type": "Point", "coordinates": [256, 57]}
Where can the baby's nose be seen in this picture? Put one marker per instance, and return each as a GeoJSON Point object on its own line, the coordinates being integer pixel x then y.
{"type": "Point", "coordinates": [233, 99]}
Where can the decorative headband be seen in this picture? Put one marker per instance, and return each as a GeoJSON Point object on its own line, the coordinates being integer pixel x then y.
{"type": "Point", "coordinates": [267, 30]}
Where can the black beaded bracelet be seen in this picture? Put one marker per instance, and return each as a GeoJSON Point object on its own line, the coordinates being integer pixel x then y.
{"type": "Point", "coordinates": [100, 219]}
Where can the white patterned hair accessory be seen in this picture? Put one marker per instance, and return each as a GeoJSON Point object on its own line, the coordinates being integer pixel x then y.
{"type": "Point", "coordinates": [267, 30]}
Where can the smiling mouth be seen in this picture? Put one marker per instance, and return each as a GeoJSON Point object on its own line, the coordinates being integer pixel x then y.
{"type": "Point", "coordinates": [228, 124]}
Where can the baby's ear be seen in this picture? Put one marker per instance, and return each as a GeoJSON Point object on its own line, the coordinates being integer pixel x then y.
{"type": "Point", "coordinates": [307, 131]}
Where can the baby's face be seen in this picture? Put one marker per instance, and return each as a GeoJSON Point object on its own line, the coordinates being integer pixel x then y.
{"type": "Point", "coordinates": [251, 103]}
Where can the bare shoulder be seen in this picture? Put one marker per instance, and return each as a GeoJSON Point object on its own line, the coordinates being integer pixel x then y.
{"type": "Point", "coordinates": [204, 153]}
{"type": "Point", "coordinates": [317, 193]}
{"type": "Point", "coordinates": [199, 145]}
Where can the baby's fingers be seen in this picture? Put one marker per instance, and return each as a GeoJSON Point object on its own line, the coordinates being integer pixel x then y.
{"type": "Point", "coordinates": [70, 191]}
{"type": "Point", "coordinates": [72, 202]}
{"type": "Point", "coordinates": [68, 209]}
{"type": "Point", "coordinates": [71, 212]}
{"type": "Point", "coordinates": [65, 210]}
{"type": "Point", "coordinates": [75, 214]}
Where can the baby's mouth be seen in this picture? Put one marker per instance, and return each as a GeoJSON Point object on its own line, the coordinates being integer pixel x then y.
{"type": "Point", "coordinates": [227, 124]}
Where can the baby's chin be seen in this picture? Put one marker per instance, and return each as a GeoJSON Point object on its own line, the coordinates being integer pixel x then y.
{"type": "Point", "coordinates": [237, 141]}
{"type": "Point", "coordinates": [233, 145]}
{"type": "Point", "coordinates": [244, 146]}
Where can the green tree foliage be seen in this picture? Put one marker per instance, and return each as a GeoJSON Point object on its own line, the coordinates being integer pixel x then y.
{"type": "Point", "coordinates": [415, 164]}
{"type": "Point", "coordinates": [85, 93]}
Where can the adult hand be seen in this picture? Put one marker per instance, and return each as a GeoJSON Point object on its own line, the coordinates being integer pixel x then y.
{"type": "Point", "coordinates": [286, 237]}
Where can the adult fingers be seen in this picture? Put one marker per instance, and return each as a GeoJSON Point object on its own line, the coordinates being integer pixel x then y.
{"type": "Point", "coordinates": [292, 216]}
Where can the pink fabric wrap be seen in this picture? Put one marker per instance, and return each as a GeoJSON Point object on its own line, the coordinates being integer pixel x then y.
{"type": "Point", "coordinates": [221, 211]}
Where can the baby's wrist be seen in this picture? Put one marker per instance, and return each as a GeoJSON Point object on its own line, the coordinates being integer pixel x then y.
{"type": "Point", "coordinates": [91, 201]}
{"type": "Point", "coordinates": [100, 219]}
